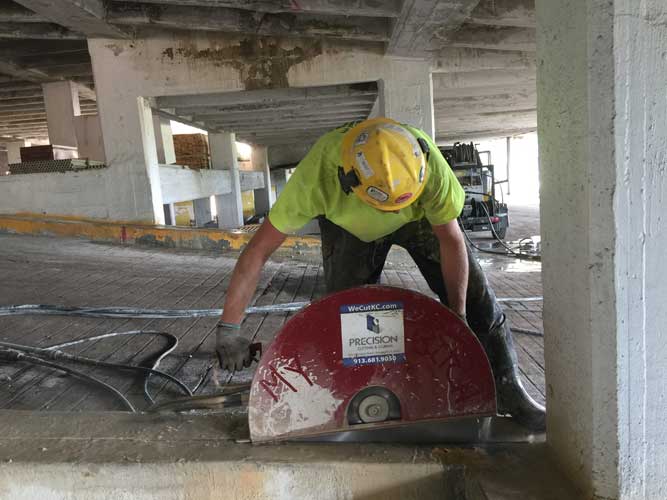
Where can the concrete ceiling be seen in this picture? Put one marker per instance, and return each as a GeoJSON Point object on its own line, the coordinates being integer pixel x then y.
{"type": "Point", "coordinates": [276, 116]}
{"type": "Point", "coordinates": [483, 52]}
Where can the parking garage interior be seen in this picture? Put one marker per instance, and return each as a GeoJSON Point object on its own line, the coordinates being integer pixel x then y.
{"type": "Point", "coordinates": [144, 142]}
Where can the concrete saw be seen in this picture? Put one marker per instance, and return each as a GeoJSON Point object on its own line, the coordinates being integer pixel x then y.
{"type": "Point", "coordinates": [368, 358]}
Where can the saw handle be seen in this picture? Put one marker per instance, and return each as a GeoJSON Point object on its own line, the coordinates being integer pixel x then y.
{"type": "Point", "coordinates": [255, 348]}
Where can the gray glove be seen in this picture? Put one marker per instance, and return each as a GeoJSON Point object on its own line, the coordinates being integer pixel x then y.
{"type": "Point", "coordinates": [232, 348]}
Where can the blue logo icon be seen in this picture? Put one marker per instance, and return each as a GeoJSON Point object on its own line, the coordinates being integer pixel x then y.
{"type": "Point", "coordinates": [372, 324]}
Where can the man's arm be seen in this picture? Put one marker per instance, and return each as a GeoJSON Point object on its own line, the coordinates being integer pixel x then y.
{"type": "Point", "coordinates": [247, 270]}
{"type": "Point", "coordinates": [454, 264]}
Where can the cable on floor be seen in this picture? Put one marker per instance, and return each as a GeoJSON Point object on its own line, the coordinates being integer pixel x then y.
{"type": "Point", "coordinates": [509, 252]}
{"type": "Point", "coordinates": [53, 357]}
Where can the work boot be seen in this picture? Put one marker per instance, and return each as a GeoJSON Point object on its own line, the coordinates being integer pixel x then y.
{"type": "Point", "coordinates": [511, 395]}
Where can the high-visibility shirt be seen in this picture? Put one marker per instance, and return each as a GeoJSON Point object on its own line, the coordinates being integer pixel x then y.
{"type": "Point", "coordinates": [314, 189]}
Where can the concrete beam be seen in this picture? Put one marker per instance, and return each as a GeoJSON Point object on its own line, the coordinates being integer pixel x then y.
{"type": "Point", "coordinates": [43, 31]}
{"type": "Point", "coordinates": [184, 120]}
{"type": "Point", "coordinates": [457, 106]}
{"type": "Point", "coordinates": [13, 86]}
{"type": "Point", "coordinates": [279, 138]}
{"type": "Point", "coordinates": [516, 13]}
{"type": "Point", "coordinates": [21, 94]}
{"type": "Point", "coordinates": [31, 102]}
{"type": "Point", "coordinates": [15, 106]}
{"type": "Point", "coordinates": [281, 114]}
{"type": "Point", "coordinates": [522, 91]}
{"type": "Point", "coordinates": [370, 8]}
{"type": "Point", "coordinates": [459, 59]}
{"type": "Point", "coordinates": [23, 73]}
{"type": "Point", "coordinates": [183, 184]}
{"type": "Point", "coordinates": [85, 16]}
{"type": "Point", "coordinates": [260, 99]}
{"type": "Point", "coordinates": [521, 118]}
{"type": "Point", "coordinates": [18, 85]}
{"type": "Point", "coordinates": [39, 48]}
{"type": "Point", "coordinates": [279, 121]}
{"type": "Point", "coordinates": [443, 82]}
{"type": "Point", "coordinates": [239, 21]}
{"type": "Point", "coordinates": [290, 126]}
{"type": "Point", "coordinates": [466, 125]}
{"type": "Point", "coordinates": [11, 12]}
{"type": "Point", "coordinates": [423, 21]}
{"type": "Point", "coordinates": [494, 38]}
{"type": "Point", "coordinates": [250, 180]}
{"type": "Point", "coordinates": [289, 106]}
{"type": "Point", "coordinates": [48, 60]}
{"type": "Point", "coordinates": [446, 139]}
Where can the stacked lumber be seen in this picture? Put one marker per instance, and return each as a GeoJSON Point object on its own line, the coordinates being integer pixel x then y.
{"type": "Point", "coordinates": [192, 150]}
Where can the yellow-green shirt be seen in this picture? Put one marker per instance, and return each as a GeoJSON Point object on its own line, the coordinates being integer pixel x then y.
{"type": "Point", "coordinates": [314, 189]}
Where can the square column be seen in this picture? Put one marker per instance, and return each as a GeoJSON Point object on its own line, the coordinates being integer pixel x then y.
{"type": "Point", "coordinates": [264, 198]}
{"type": "Point", "coordinates": [164, 140]}
{"type": "Point", "coordinates": [61, 100]}
{"type": "Point", "coordinates": [225, 157]}
{"type": "Point", "coordinates": [169, 214]}
{"type": "Point", "coordinates": [13, 150]}
{"type": "Point", "coordinates": [602, 118]}
{"type": "Point", "coordinates": [202, 211]}
{"type": "Point", "coordinates": [407, 97]}
{"type": "Point", "coordinates": [279, 179]}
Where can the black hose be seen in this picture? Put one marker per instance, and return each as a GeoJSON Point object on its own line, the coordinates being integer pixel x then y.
{"type": "Point", "coordinates": [173, 343]}
{"type": "Point", "coordinates": [55, 354]}
{"type": "Point", "coordinates": [16, 355]}
{"type": "Point", "coordinates": [509, 253]}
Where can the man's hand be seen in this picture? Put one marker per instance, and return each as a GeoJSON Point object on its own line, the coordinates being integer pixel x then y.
{"type": "Point", "coordinates": [232, 348]}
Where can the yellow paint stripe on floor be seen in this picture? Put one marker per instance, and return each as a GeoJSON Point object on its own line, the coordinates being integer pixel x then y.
{"type": "Point", "coordinates": [137, 233]}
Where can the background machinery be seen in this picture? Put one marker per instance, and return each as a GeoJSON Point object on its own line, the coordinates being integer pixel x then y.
{"type": "Point", "coordinates": [482, 211]}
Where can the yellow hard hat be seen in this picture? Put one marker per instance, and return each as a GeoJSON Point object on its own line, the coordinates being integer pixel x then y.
{"type": "Point", "coordinates": [384, 164]}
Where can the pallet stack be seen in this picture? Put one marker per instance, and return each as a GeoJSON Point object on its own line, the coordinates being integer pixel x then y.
{"type": "Point", "coordinates": [192, 150]}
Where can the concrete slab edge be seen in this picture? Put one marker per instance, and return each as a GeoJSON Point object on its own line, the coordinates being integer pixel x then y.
{"type": "Point", "coordinates": [130, 233]}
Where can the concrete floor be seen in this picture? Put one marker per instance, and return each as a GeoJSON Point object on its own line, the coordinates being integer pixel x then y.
{"type": "Point", "coordinates": [74, 272]}
{"type": "Point", "coordinates": [77, 273]}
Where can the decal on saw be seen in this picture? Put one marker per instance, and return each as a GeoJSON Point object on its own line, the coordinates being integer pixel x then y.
{"type": "Point", "coordinates": [372, 333]}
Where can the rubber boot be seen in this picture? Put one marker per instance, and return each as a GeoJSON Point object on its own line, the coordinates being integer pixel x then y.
{"type": "Point", "coordinates": [511, 395]}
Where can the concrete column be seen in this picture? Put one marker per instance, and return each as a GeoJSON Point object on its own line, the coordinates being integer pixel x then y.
{"type": "Point", "coordinates": [407, 96]}
{"type": "Point", "coordinates": [13, 150]}
{"type": "Point", "coordinates": [164, 140]}
{"type": "Point", "coordinates": [202, 211]}
{"type": "Point", "coordinates": [61, 100]}
{"type": "Point", "coordinates": [225, 157]}
{"type": "Point", "coordinates": [264, 199]}
{"type": "Point", "coordinates": [4, 164]}
{"type": "Point", "coordinates": [169, 214]}
{"type": "Point", "coordinates": [602, 125]}
{"type": "Point", "coordinates": [279, 179]}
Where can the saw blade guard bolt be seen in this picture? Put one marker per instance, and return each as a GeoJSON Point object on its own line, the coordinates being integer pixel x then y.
{"type": "Point", "coordinates": [373, 404]}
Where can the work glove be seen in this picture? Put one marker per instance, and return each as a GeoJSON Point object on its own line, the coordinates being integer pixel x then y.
{"type": "Point", "coordinates": [232, 348]}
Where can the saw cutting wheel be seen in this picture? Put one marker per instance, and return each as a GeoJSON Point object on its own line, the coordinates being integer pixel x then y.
{"type": "Point", "coordinates": [368, 357]}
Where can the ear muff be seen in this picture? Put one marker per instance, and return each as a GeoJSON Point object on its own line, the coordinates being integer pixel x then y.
{"type": "Point", "coordinates": [424, 147]}
{"type": "Point", "coordinates": [348, 180]}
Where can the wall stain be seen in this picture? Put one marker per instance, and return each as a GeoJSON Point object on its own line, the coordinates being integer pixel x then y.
{"type": "Point", "coordinates": [117, 49]}
{"type": "Point", "coordinates": [264, 63]}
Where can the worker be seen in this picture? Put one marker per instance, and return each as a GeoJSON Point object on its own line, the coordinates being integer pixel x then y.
{"type": "Point", "coordinates": [373, 184]}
